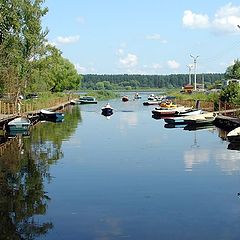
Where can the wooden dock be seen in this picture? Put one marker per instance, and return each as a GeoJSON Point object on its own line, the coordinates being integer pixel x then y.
{"type": "Point", "coordinates": [32, 115]}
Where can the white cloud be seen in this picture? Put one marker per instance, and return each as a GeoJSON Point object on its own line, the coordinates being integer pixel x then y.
{"type": "Point", "coordinates": [80, 19]}
{"type": "Point", "coordinates": [67, 40]}
{"type": "Point", "coordinates": [84, 70]}
{"type": "Point", "coordinates": [173, 64]}
{"type": "Point", "coordinates": [156, 37]}
{"type": "Point", "coordinates": [156, 66]}
{"type": "Point", "coordinates": [194, 20]}
{"type": "Point", "coordinates": [129, 61]}
{"type": "Point", "coordinates": [225, 20]}
{"type": "Point", "coordinates": [120, 52]}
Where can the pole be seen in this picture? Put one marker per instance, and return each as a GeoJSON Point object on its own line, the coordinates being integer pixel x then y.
{"type": "Point", "coordinates": [195, 75]}
{"type": "Point", "coordinates": [189, 74]}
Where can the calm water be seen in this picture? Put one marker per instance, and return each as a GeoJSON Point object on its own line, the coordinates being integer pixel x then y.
{"type": "Point", "coordinates": [126, 177]}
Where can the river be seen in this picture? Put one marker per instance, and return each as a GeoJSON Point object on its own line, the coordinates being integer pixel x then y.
{"type": "Point", "coordinates": [122, 177]}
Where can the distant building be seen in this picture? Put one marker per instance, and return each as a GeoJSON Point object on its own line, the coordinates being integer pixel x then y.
{"type": "Point", "coordinates": [188, 88]}
{"type": "Point", "coordinates": [229, 81]}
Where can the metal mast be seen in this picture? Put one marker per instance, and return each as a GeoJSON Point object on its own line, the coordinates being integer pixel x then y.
{"type": "Point", "coordinates": [195, 75]}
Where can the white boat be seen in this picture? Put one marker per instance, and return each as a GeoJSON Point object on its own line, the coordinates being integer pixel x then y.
{"type": "Point", "coordinates": [107, 110]}
{"type": "Point", "coordinates": [234, 135]}
{"type": "Point", "coordinates": [182, 116]}
{"type": "Point", "coordinates": [201, 119]}
{"type": "Point", "coordinates": [19, 124]}
{"type": "Point", "coordinates": [84, 100]}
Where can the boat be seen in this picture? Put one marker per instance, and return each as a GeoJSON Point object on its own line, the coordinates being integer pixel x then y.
{"type": "Point", "coordinates": [180, 116]}
{"type": "Point", "coordinates": [19, 124]}
{"type": "Point", "coordinates": [87, 100]}
{"type": "Point", "coordinates": [107, 110]}
{"type": "Point", "coordinates": [201, 119]}
{"type": "Point", "coordinates": [137, 96]}
{"type": "Point", "coordinates": [125, 98]}
{"type": "Point", "coordinates": [234, 135]}
{"type": "Point", "coordinates": [151, 102]}
{"type": "Point", "coordinates": [50, 115]}
{"type": "Point", "coordinates": [171, 111]}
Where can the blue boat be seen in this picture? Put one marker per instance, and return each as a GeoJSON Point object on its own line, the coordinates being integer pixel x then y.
{"type": "Point", "coordinates": [20, 124]}
{"type": "Point", "coordinates": [51, 115]}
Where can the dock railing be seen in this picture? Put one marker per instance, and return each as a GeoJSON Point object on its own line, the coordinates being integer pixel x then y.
{"type": "Point", "coordinates": [206, 106]}
{"type": "Point", "coordinates": [7, 107]}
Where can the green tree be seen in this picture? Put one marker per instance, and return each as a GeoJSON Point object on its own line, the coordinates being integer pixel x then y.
{"type": "Point", "coordinates": [21, 41]}
{"type": "Point", "coordinates": [233, 71]}
{"type": "Point", "coordinates": [231, 93]}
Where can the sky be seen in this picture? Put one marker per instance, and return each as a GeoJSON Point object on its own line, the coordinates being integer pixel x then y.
{"type": "Point", "coordinates": [145, 36]}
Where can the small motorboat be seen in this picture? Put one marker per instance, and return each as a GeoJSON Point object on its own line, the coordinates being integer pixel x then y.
{"type": "Point", "coordinates": [107, 110]}
{"type": "Point", "coordinates": [125, 98]}
{"type": "Point", "coordinates": [50, 115]}
{"type": "Point", "coordinates": [137, 96]}
{"type": "Point", "coordinates": [234, 135]}
{"type": "Point", "coordinates": [20, 124]}
{"type": "Point", "coordinates": [84, 100]}
{"type": "Point", "coordinates": [87, 100]}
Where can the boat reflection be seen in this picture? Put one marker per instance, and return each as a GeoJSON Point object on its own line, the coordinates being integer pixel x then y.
{"type": "Point", "coordinates": [17, 133]}
{"type": "Point", "coordinates": [234, 146]}
{"type": "Point", "coordinates": [169, 125]}
{"type": "Point", "coordinates": [194, 127]}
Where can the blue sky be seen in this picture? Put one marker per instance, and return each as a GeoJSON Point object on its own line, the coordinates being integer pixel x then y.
{"type": "Point", "coordinates": [145, 37]}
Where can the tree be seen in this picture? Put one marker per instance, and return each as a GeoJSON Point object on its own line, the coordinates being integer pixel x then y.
{"type": "Point", "coordinates": [233, 71]}
{"type": "Point", "coordinates": [21, 41]}
{"type": "Point", "coordinates": [231, 93]}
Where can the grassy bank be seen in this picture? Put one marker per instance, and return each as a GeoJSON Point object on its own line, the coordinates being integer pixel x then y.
{"type": "Point", "coordinates": [102, 94]}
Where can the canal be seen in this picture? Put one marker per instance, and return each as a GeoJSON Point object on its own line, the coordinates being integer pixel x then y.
{"type": "Point", "coordinates": [126, 176]}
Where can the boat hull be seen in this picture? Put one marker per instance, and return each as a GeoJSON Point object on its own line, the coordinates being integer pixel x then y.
{"type": "Point", "coordinates": [19, 125]}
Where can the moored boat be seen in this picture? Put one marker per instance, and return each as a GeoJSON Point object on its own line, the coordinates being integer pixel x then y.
{"type": "Point", "coordinates": [19, 124]}
{"type": "Point", "coordinates": [87, 100]}
{"type": "Point", "coordinates": [180, 116]}
{"type": "Point", "coordinates": [234, 135]}
{"type": "Point", "coordinates": [50, 115]}
{"type": "Point", "coordinates": [201, 119]}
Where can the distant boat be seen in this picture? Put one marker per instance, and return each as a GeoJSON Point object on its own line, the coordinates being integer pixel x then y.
{"type": "Point", "coordinates": [84, 100]}
{"type": "Point", "coordinates": [137, 96]}
{"type": "Point", "coordinates": [107, 110]}
{"type": "Point", "coordinates": [87, 100]}
{"type": "Point", "coordinates": [20, 124]}
{"type": "Point", "coordinates": [234, 135]}
{"type": "Point", "coordinates": [51, 115]}
{"type": "Point", "coordinates": [125, 98]}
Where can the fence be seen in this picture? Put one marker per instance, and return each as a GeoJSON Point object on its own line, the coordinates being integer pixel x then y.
{"type": "Point", "coordinates": [11, 108]}
{"type": "Point", "coordinates": [229, 109]}
{"type": "Point", "coordinates": [207, 106]}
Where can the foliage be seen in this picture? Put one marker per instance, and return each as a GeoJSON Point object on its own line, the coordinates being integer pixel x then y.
{"type": "Point", "coordinates": [133, 82]}
{"type": "Point", "coordinates": [233, 71]}
{"type": "Point", "coordinates": [27, 62]}
{"type": "Point", "coordinates": [103, 94]}
{"type": "Point", "coordinates": [231, 93]}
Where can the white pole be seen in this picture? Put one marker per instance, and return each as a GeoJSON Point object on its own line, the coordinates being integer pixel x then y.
{"type": "Point", "coordinates": [189, 74]}
{"type": "Point", "coordinates": [195, 75]}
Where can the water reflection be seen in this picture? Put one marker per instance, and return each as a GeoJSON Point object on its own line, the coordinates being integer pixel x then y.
{"type": "Point", "coordinates": [24, 167]}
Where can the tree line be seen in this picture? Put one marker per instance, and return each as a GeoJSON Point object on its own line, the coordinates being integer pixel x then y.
{"type": "Point", "coordinates": [28, 63]}
{"type": "Point", "coordinates": [128, 82]}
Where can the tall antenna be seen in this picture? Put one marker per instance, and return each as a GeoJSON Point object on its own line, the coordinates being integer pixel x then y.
{"type": "Point", "coordinates": [203, 81]}
{"type": "Point", "coordinates": [195, 66]}
{"type": "Point", "coordinates": [189, 73]}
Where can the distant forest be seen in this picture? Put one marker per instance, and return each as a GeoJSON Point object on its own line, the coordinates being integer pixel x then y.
{"type": "Point", "coordinates": [128, 82]}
